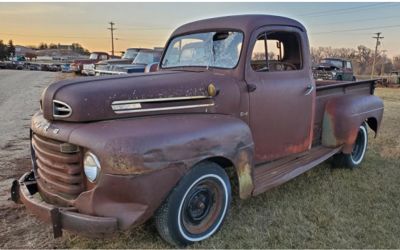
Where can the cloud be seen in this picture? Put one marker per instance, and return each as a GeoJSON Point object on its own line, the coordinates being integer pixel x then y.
{"type": "Point", "coordinates": [18, 9]}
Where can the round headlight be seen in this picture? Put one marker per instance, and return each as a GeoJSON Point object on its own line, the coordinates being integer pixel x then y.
{"type": "Point", "coordinates": [91, 166]}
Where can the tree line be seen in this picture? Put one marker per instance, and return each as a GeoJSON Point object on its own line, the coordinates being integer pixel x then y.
{"type": "Point", "coordinates": [362, 59]}
{"type": "Point", "coordinates": [76, 47]}
{"type": "Point", "coordinates": [6, 50]}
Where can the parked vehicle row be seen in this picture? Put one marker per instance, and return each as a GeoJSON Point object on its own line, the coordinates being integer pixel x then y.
{"type": "Point", "coordinates": [37, 66]}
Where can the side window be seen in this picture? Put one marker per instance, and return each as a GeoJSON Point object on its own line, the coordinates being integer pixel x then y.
{"type": "Point", "coordinates": [103, 57]}
{"type": "Point", "coordinates": [276, 51]}
{"type": "Point", "coordinates": [258, 56]}
{"type": "Point", "coordinates": [348, 65]}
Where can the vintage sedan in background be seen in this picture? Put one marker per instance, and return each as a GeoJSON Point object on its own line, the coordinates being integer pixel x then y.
{"type": "Point", "coordinates": [144, 58]}
{"type": "Point", "coordinates": [78, 65]}
{"type": "Point", "coordinates": [127, 58]}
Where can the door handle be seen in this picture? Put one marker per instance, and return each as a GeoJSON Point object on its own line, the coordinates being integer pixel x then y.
{"type": "Point", "coordinates": [251, 87]}
{"type": "Point", "coordinates": [309, 89]}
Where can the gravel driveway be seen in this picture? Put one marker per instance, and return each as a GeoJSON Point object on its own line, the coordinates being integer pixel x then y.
{"type": "Point", "coordinates": [19, 100]}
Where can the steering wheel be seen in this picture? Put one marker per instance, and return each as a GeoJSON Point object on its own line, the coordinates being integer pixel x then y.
{"type": "Point", "coordinates": [284, 66]}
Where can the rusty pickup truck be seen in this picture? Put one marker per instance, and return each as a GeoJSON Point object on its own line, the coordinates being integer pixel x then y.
{"type": "Point", "coordinates": [235, 92]}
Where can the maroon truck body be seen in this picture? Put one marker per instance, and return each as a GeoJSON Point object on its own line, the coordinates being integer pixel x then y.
{"type": "Point", "coordinates": [149, 130]}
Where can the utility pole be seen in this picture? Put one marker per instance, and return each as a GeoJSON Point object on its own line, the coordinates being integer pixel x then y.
{"type": "Point", "coordinates": [378, 37]}
{"type": "Point", "coordinates": [112, 37]}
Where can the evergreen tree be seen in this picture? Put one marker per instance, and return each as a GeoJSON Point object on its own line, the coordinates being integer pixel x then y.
{"type": "Point", "coordinates": [10, 49]}
{"type": "Point", "coordinates": [3, 50]}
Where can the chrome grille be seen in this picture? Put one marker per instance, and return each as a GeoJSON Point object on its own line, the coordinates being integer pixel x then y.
{"type": "Point", "coordinates": [59, 175]}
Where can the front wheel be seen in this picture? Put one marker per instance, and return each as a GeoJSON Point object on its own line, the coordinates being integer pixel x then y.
{"type": "Point", "coordinates": [196, 207]}
{"type": "Point", "coordinates": [357, 155]}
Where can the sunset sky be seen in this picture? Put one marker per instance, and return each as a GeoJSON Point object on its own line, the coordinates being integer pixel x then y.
{"type": "Point", "coordinates": [150, 24]}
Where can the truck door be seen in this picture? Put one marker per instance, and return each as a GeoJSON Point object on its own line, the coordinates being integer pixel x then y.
{"type": "Point", "coordinates": [282, 92]}
{"type": "Point", "coordinates": [348, 71]}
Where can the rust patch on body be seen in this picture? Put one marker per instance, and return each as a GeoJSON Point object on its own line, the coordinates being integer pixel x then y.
{"type": "Point", "coordinates": [245, 174]}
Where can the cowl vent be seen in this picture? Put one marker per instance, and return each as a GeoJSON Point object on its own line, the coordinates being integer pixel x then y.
{"type": "Point", "coordinates": [61, 109]}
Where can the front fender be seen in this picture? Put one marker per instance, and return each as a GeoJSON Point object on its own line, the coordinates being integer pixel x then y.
{"type": "Point", "coordinates": [344, 115]}
{"type": "Point", "coordinates": [140, 145]}
{"type": "Point", "coordinates": [149, 155]}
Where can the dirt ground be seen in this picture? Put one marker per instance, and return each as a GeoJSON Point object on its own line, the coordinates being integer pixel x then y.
{"type": "Point", "coordinates": [19, 99]}
{"type": "Point", "coordinates": [324, 208]}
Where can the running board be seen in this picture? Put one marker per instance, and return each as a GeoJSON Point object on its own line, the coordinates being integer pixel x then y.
{"type": "Point", "coordinates": [277, 172]}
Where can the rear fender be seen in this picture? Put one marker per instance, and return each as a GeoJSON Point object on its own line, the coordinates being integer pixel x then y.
{"type": "Point", "coordinates": [344, 115]}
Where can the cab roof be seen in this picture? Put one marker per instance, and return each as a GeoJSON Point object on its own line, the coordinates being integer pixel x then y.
{"type": "Point", "coordinates": [245, 23]}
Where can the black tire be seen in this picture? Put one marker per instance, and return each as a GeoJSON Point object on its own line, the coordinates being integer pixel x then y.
{"type": "Point", "coordinates": [196, 207]}
{"type": "Point", "coordinates": [355, 158]}
{"type": "Point", "coordinates": [353, 79]}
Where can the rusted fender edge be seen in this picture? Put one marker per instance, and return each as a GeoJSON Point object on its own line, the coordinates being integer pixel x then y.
{"type": "Point", "coordinates": [344, 115]}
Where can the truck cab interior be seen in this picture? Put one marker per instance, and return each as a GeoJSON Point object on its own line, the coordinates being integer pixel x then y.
{"type": "Point", "coordinates": [283, 50]}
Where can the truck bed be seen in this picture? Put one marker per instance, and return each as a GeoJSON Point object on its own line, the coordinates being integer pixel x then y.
{"type": "Point", "coordinates": [320, 83]}
{"type": "Point", "coordinates": [329, 89]}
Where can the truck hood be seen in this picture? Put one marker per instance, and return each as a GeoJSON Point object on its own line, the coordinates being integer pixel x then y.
{"type": "Point", "coordinates": [116, 61]}
{"type": "Point", "coordinates": [111, 97]}
{"type": "Point", "coordinates": [326, 67]}
{"type": "Point", "coordinates": [130, 68]}
{"type": "Point", "coordinates": [85, 61]}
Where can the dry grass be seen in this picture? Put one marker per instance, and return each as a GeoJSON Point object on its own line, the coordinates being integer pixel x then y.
{"type": "Point", "coordinates": [324, 208]}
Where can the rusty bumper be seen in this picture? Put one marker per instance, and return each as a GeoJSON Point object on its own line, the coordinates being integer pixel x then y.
{"type": "Point", "coordinates": [24, 190]}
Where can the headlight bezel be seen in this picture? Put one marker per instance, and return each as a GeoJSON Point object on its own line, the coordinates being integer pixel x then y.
{"type": "Point", "coordinates": [88, 168]}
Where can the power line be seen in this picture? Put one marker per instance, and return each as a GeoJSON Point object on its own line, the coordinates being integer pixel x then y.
{"type": "Point", "coordinates": [378, 37]}
{"type": "Point", "coordinates": [346, 10]}
{"type": "Point", "coordinates": [148, 28]}
{"type": "Point", "coordinates": [360, 20]}
{"type": "Point", "coordinates": [26, 35]}
{"type": "Point", "coordinates": [348, 30]}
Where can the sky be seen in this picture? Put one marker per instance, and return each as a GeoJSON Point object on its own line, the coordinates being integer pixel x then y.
{"type": "Point", "coordinates": [150, 24]}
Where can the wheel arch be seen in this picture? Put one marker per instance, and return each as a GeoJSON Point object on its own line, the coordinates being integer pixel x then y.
{"type": "Point", "coordinates": [242, 167]}
{"type": "Point", "coordinates": [373, 124]}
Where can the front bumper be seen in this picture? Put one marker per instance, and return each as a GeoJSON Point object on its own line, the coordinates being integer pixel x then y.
{"type": "Point", "coordinates": [24, 190]}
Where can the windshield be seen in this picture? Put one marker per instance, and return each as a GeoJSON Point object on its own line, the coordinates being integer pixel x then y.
{"type": "Point", "coordinates": [336, 63]}
{"type": "Point", "coordinates": [93, 56]}
{"type": "Point", "coordinates": [211, 49]}
{"type": "Point", "coordinates": [130, 54]}
{"type": "Point", "coordinates": [144, 57]}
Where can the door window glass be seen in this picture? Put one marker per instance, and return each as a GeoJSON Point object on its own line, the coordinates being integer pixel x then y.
{"type": "Point", "coordinates": [276, 51]}
{"type": "Point", "coordinates": [258, 56]}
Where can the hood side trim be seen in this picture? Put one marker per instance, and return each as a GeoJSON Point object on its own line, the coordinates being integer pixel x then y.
{"type": "Point", "coordinates": [164, 108]}
{"type": "Point", "coordinates": [166, 99]}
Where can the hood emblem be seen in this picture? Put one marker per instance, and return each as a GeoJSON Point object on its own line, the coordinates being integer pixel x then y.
{"type": "Point", "coordinates": [212, 90]}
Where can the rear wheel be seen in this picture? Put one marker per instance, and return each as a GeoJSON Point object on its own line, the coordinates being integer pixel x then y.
{"type": "Point", "coordinates": [357, 155]}
{"type": "Point", "coordinates": [196, 207]}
